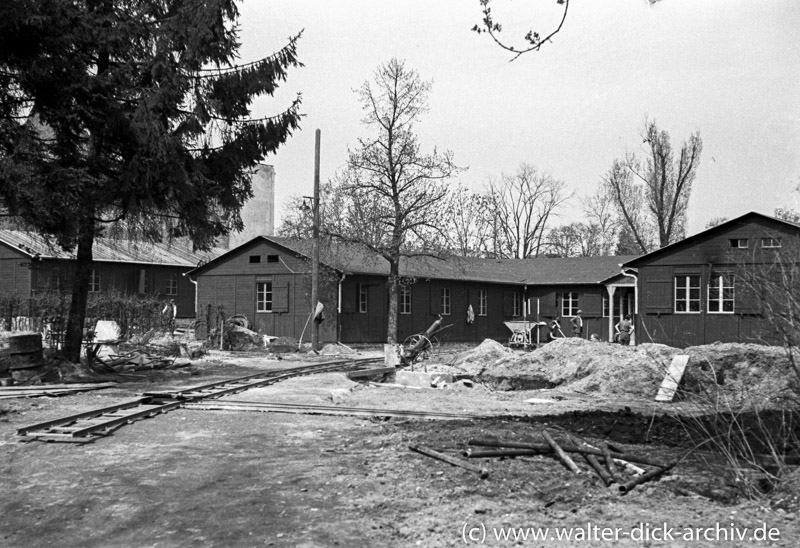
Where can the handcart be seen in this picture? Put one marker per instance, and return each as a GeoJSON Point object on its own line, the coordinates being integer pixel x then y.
{"type": "Point", "coordinates": [521, 336]}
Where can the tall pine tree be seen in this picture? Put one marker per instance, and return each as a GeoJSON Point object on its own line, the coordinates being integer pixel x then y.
{"type": "Point", "coordinates": [130, 110]}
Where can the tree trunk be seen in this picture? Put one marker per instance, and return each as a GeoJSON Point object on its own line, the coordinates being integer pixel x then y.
{"type": "Point", "coordinates": [80, 291]}
{"type": "Point", "coordinates": [394, 282]}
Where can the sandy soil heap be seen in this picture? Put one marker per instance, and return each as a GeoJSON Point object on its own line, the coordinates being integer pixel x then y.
{"type": "Point", "coordinates": [734, 370]}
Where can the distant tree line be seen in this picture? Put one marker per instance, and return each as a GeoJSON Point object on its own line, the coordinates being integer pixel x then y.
{"type": "Point", "coordinates": [639, 205]}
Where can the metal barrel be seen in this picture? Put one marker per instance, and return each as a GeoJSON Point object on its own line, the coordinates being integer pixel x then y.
{"type": "Point", "coordinates": [25, 356]}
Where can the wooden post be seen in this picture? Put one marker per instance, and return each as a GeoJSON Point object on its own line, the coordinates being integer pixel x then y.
{"type": "Point", "coordinates": [315, 250]}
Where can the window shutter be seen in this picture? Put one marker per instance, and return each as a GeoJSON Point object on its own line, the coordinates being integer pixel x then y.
{"type": "Point", "coordinates": [747, 299]}
{"type": "Point", "coordinates": [591, 304]}
{"type": "Point", "coordinates": [436, 299]}
{"type": "Point", "coordinates": [349, 296]}
{"type": "Point", "coordinates": [280, 298]}
{"type": "Point", "coordinates": [658, 296]}
{"type": "Point", "coordinates": [657, 288]}
{"type": "Point", "coordinates": [508, 304]}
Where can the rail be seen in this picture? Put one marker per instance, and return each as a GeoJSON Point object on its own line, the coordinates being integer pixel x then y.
{"type": "Point", "coordinates": [89, 425]}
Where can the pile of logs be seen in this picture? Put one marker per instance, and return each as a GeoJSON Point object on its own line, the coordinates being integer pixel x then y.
{"type": "Point", "coordinates": [613, 467]}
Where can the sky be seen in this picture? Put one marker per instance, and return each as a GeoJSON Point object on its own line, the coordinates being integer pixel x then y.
{"type": "Point", "coordinates": [729, 69]}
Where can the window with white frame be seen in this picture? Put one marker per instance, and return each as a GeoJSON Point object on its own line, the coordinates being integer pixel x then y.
{"type": "Point", "coordinates": [445, 300]}
{"type": "Point", "coordinates": [405, 299]}
{"type": "Point", "coordinates": [264, 296]}
{"type": "Point", "coordinates": [516, 304]}
{"type": "Point", "coordinates": [770, 243]}
{"type": "Point", "coordinates": [720, 293]}
{"type": "Point", "coordinates": [362, 298]}
{"type": "Point", "coordinates": [94, 280]}
{"type": "Point", "coordinates": [739, 243]}
{"type": "Point", "coordinates": [687, 294]}
{"type": "Point", "coordinates": [172, 283]}
{"type": "Point", "coordinates": [483, 303]}
{"type": "Point", "coordinates": [569, 303]}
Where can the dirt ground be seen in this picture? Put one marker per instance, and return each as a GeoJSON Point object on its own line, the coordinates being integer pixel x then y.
{"type": "Point", "coordinates": [229, 479]}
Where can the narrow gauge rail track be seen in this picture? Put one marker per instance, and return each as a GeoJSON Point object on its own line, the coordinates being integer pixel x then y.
{"type": "Point", "coordinates": [307, 409]}
{"type": "Point", "coordinates": [87, 426]}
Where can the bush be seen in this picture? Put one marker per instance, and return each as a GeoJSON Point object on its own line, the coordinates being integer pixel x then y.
{"type": "Point", "coordinates": [134, 314]}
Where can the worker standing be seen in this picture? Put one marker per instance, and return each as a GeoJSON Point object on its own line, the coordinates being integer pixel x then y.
{"type": "Point", "coordinates": [168, 313]}
{"type": "Point", "coordinates": [624, 329]}
{"type": "Point", "coordinates": [577, 325]}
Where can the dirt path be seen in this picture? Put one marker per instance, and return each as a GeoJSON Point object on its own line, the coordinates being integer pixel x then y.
{"type": "Point", "coordinates": [209, 478]}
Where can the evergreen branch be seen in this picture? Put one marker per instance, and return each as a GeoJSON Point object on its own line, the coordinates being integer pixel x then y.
{"type": "Point", "coordinates": [234, 69]}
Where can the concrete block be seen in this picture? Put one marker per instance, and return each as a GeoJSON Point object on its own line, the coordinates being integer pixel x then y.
{"type": "Point", "coordinates": [339, 395]}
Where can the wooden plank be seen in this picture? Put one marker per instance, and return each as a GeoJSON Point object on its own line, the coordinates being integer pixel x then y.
{"type": "Point", "coordinates": [673, 378]}
{"type": "Point", "coordinates": [370, 372]}
{"type": "Point", "coordinates": [89, 386]}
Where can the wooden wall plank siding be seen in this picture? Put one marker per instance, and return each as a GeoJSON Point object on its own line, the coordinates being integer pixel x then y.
{"type": "Point", "coordinates": [705, 255]}
{"type": "Point", "coordinates": [22, 276]}
{"type": "Point", "coordinates": [16, 279]}
{"type": "Point", "coordinates": [15, 273]}
{"type": "Point", "coordinates": [239, 261]}
{"type": "Point", "coordinates": [370, 326]}
{"type": "Point", "coordinates": [231, 284]}
{"type": "Point", "coordinates": [426, 305]}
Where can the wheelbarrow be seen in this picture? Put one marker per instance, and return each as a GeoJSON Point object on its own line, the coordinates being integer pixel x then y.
{"type": "Point", "coordinates": [521, 336]}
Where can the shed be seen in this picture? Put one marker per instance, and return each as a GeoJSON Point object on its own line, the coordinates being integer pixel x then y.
{"type": "Point", "coordinates": [268, 279]}
{"type": "Point", "coordinates": [707, 288]}
{"type": "Point", "coordinates": [30, 264]}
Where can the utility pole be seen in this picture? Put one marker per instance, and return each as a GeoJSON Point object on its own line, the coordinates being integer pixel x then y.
{"type": "Point", "coordinates": [315, 250]}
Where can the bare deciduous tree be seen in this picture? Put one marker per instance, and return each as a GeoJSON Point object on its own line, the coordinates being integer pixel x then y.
{"type": "Point", "coordinates": [715, 221]}
{"type": "Point", "coordinates": [787, 214]}
{"type": "Point", "coordinates": [522, 204]}
{"type": "Point", "coordinates": [578, 240]}
{"type": "Point", "coordinates": [297, 221]}
{"type": "Point", "coordinates": [594, 237]}
{"type": "Point", "coordinates": [629, 200]}
{"type": "Point", "coordinates": [652, 194]}
{"type": "Point", "coordinates": [466, 222]}
{"type": "Point", "coordinates": [390, 186]}
{"type": "Point", "coordinates": [600, 216]}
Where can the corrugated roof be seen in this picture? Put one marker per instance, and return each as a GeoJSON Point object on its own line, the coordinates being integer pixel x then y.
{"type": "Point", "coordinates": [539, 271]}
{"type": "Point", "coordinates": [106, 250]}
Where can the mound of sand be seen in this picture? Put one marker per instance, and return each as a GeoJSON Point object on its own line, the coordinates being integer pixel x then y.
{"type": "Point", "coordinates": [582, 366]}
{"type": "Point", "coordinates": [733, 371]}
{"type": "Point", "coordinates": [476, 360]}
